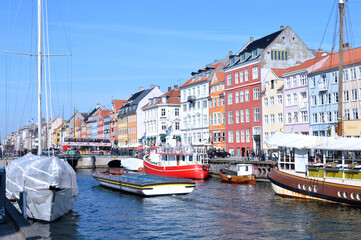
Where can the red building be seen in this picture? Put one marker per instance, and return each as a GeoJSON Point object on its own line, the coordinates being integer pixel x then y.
{"type": "Point", "coordinates": [243, 84]}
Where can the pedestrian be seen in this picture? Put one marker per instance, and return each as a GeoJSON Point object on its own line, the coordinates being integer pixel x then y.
{"type": "Point", "coordinates": [252, 155]}
{"type": "Point", "coordinates": [1, 153]}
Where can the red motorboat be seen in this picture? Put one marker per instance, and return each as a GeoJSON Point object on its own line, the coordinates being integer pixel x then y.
{"type": "Point", "coordinates": [175, 162]}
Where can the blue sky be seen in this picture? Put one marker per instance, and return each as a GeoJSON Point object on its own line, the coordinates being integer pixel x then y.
{"type": "Point", "coordinates": [118, 46]}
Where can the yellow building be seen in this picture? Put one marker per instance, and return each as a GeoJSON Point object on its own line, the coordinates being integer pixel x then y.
{"type": "Point", "coordinates": [272, 105]}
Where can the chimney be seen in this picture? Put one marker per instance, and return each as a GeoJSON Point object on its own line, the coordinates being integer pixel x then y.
{"type": "Point", "coordinates": [141, 89]}
{"type": "Point", "coordinates": [282, 27]}
{"type": "Point", "coordinates": [346, 46]}
{"type": "Point", "coordinates": [175, 86]}
{"type": "Point", "coordinates": [215, 60]}
{"type": "Point", "coordinates": [230, 53]}
{"type": "Point", "coordinates": [169, 88]}
{"type": "Point", "coordinates": [152, 86]}
{"type": "Point", "coordinates": [251, 39]}
{"type": "Point", "coordinates": [98, 105]}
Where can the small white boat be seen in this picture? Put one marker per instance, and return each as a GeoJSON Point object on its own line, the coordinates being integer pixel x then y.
{"type": "Point", "coordinates": [49, 183]}
{"type": "Point", "coordinates": [133, 164]}
{"type": "Point", "coordinates": [143, 184]}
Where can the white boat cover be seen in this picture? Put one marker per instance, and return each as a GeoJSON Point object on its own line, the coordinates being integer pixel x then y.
{"type": "Point", "coordinates": [132, 164]}
{"type": "Point", "coordinates": [35, 176]}
{"type": "Point", "coordinates": [291, 140]}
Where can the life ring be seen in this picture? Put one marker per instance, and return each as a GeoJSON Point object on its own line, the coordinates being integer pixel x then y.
{"type": "Point", "coordinates": [204, 167]}
{"type": "Point", "coordinates": [140, 169]}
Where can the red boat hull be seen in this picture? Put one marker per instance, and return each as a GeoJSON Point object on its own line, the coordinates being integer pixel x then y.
{"type": "Point", "coordinates": [194, 171]}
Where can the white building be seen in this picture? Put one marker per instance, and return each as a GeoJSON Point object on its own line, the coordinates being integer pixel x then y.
{"type": "Point", "coordinates": [194, 105]}
{"type": "Point", "coordinates": [162, 116]}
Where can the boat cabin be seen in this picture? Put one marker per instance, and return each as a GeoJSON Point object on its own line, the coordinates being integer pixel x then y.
{"type": "Point", "coordinates": [244, 169]}
{"type": "Point", "coordinates": [321, 157]}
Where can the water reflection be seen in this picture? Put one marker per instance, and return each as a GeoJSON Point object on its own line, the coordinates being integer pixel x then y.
{"type": "Point", "coordinates": [213, 210]}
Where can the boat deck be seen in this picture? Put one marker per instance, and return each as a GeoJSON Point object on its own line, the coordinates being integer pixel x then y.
{"type": "Point", "coordinates": [351, 182]}
{"type": "Point", "coordinates": [145, 179]}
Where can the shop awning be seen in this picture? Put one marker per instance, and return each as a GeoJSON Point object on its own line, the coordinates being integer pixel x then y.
{"type": "Point", "coordinates": [162, 137]}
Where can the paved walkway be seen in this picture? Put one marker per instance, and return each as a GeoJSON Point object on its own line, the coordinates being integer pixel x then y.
{"type": "Point", "coordinates": [9, 232]}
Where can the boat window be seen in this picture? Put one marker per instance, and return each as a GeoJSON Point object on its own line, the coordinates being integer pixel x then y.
{"type": "Point", "coordinates": [191, 158]}
{"type": "Point", "coordinates": [299, 186]}
{"type": "Point", "coordinates": [246, 168]}
{"type": "Point", "coordinates": [310, 188]}
{"type": "Point", "coordinates": [304, 187]}
{"type": "Point", "coordinates": [353, 195]}
{"type": "Point", "coordinates": [315, 189]}
{"type": "Point", "coordinates": [345, 194]}
{"type": "Point", "coordinates": [339, 193]}
{"type": "Point", "coordinates": [358, 196]}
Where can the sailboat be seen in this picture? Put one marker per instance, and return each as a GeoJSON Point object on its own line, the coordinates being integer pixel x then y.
{"type": "Point", "coordinates": [319, 167]}
{"type": "Point", "coordinates": [49, 183]}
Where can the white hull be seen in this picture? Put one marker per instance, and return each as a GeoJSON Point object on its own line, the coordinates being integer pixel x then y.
{"type": "Point", "coordinates": [132, 164]}
{"type": "Point", "coordinates": [154, 190]}
{"type": "Point", "coordinates": [285, 192]}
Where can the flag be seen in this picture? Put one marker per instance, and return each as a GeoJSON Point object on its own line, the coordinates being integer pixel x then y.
{"type": "Point", "coordinates": [169, 130]}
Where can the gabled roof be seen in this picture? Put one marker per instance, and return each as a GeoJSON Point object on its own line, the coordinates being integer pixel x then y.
{"type": "Point", "coordinates": [172, 97]}
{"type": "Point", "coordinates": [350, 56]}
{"type": "Point", "coordinates": [202, 77]}
{"type": "Point", "coordinates": [130, 107]}
{"type": "Point", "coordinates": [118, 104]}
{"type": "Point", "coordinates": [259, 44]}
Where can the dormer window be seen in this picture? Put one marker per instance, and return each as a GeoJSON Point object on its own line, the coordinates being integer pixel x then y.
{"type": "Point", "coordinates": [242, 57]}
{"type": "Point", "coordinates": [254, 53]}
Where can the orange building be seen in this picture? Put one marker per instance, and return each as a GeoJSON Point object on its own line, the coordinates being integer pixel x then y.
{"type": "Point", "coordinates": [132, 129]}
{"type": "Point", "coordinates": [217, 111]}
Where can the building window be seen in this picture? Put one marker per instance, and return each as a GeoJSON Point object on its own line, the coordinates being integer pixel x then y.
{"type": "Point", "coordinates": [237, 116]}
{"type": "Point", "coordinates": [255, 72]}
{"type": "Point", "coordinates": [236, 78]}
{"type": "Point", "coordinates": [304, 116]}
{"type": "Point", "coordinates": [223, 117]}
{"type": "Point", "coordinates": [303, 80]}
{"type": "Point", "coordinates": [354, 114]}
{"type": "Point", "coordinates": [353, 94]}
{"type": "Point", "coordinates": [255, 93]}
{"type": "Point", "coordinates": [218, 101]}
{"type": "Point", "coordinates": [246, 75]}
{"type": "Point", "coordinates": [346, 97]}
{"type": "Point", "coordinates": [289, 117]}
{"type": "Point", "coordinates": [353, 73]}
{"type": "Point", "coordinates": [237, 136]}
{"type": "Point", "coordinates": [241, 76]}
{"type": "Point", "coordinates": [248, 135]}
{"type": "Point", "coordinates": [288, 99]}
{"type": "Point", "coordinates": [230, 98]}
{"type": "Point", "coordinates": [272, 101]}
{"type": "Point", "coordinates": [265, 102]}
{"type": "Point", "coordinates": [295, 99]}
{"type": "Point", "coordinates": [242, 115]}
{"type": "Point", "coordinates": [335, 97]}
{"type": "Point", "coordinates": [322, 117]}
{"type": "Point", "coordinates": [272, 118]}
{"type": "Point", "coordinates": [280, 118]}
{"type": "Point", "coordinates": [162, 112]}
{"type": "Point", "coordinates": [345, 75]}
{"type": "Point", "coordinates": [229, 79]}
{"type": "Point", "coordinates": [242, 136]}
{"type": "Point", "coordinates": [204, 89]}
{"type": "Point", "coordinates": [230, 136]}
{"type": "Point", "coordinates": [230, 117]}
{"type": "Point", "coordinates": [237, 97]}
{"type": "Point", "coordinates": [242, 96]}
{"type": "Point", "coordinates": [163, 126]}
{"type": "Point", "coordinates": [256, 114]}
{"type": "Point", "coordinates": [294, 82]}
{"type": "Point", "coordinates": [177, 126]}
{"type": "Point", "coordinates": [334, 77]}
{"type": "Point", "coordinates": [295, 117]}
{"type": "Point", "coordinates": [279, 99]}
{"type": "Point", "coordinates": [247, 115]}
{"type": "Point", "coordinates": [247, 95]}
{"type": "Point", "coordinates": [288, 83]}
{"type": "Point", "coordinates": [265, 119]}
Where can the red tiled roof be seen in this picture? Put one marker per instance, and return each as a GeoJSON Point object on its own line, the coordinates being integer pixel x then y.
{"type": "Point", "coordinates": [279, 72]}
{"type": "Point", "coordinates": [220, 76]}
{"type": "Point", "coordinates": [349, 57]}
{"type": "Point", "coordinates": [281, 88]}
{"type": "Point", "coordinates": [118, 104]}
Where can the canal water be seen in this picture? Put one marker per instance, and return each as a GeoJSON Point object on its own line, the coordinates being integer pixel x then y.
{"type": "Point", "coordinates": [214, 210]}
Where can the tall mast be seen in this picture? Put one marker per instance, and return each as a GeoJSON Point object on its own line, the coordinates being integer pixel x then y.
{"type": "Point", "coordinates": [340, 73]}
{"type": "Point", "coordinates": [39, 79]}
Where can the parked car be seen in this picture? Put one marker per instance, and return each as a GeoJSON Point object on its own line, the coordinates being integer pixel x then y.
{"type": "Point", "coordinates": [215, 154]}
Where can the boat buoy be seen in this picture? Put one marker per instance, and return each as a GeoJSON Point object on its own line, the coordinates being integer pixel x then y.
{"type": "Point", "coordinates": [204, 167]}
{"type": "Point", "coordinates": [140, 169]}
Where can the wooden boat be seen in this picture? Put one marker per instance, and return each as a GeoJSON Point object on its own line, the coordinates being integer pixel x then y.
{"type": "Point", "coordinates": [175, 162]}
{"type": "Point", "coordinates": [143, 184]}
{"type": "Point", "coordinates": [242, 175]}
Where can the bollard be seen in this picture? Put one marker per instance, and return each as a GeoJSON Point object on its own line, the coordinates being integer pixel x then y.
{"type": "Point", "coordinates": [22, 203]}
{"type": "Point", "coordinates": [2, 195]}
